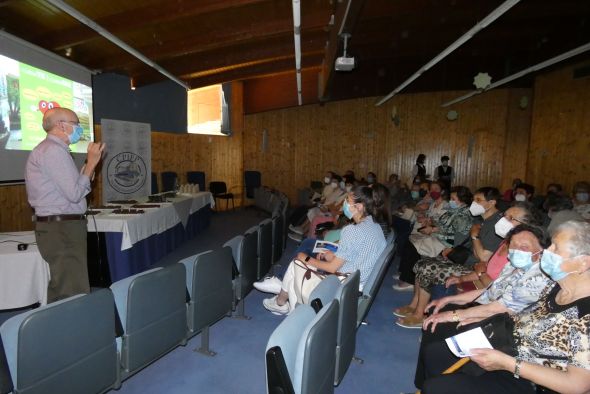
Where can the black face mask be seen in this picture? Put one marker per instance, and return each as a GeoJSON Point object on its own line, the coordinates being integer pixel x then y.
{"type": "Point", "coordinates": [422, 193]}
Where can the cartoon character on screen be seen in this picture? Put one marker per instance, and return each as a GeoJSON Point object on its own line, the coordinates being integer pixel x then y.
{"type": "Point", "coordinates": [45, 105]}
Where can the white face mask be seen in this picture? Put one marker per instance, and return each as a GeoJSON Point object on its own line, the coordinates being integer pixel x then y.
{"type": "Point", "coordinates": [349, 188]}
{"type": "Point", "coordinates": [334, 184]}
{"type": "Point", "coordinates": [327, 180]}
{"type": "Point", "coordinates": [342, 185]}
{"type": "Point", "coordinates": [520, 197]}
{"type": "Point", "coordinates": [582, 197]}
{"type": "Point", "coordinates": [503, 226]}
{"type": "Point", "coordinates": [476, 209]}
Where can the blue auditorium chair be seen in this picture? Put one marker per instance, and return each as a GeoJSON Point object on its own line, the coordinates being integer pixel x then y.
{"type": "Point", "coordinates": [374, 280]}
{"type": "Point", "coordinates": [300, 356]}
{"type": "Point", "coordinates": [245, 256]}
{"type": "Point", "coordinates": [346, 293]}
{"type": "Point", "coordinates": [64, 347]}
{"type": "Point", "coordinates": [152, 308]}
{"type": "Point", "coordinates": [209, 283]}
{"type": "Point", "coordinates": [252, 181]}
{"type": "Point", "coordinates": [264, 248]}
{"type": "Point", "coordinates": [169, 179]}
{"type": "Point", "coordinates": [198, 178]}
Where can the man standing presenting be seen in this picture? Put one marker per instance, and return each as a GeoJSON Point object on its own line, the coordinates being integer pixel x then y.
{"type": "Point", "coordinates": [56, 190]}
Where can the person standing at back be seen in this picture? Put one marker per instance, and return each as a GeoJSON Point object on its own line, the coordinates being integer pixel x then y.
{"type": "Point", "coordinates": [444, 173]}
{"type": "Point", "coordinates": [57, 192]}
{"type": "Point", "coordinates": [419, 170]}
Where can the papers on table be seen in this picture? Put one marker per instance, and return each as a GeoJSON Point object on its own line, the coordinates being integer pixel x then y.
{"type": "Point", "coordinates": [324, 246]}
{"type": "Point", "coordinates": [461, 344]}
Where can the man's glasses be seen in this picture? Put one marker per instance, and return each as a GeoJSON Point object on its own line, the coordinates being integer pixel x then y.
{"type": "Point", "coordinates": [511, 218]}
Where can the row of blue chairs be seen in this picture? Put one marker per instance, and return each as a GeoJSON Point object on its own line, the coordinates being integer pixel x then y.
{"type": "Point", "coordinates": [91, 343]}
{"type": "Point", "coordinates": [311, 350]}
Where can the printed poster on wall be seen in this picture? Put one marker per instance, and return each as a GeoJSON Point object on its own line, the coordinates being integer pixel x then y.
{"type": "Point", "coordinates": [126, 168]}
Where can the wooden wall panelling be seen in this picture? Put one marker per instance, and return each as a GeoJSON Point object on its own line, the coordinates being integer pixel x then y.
{"type": "Point", "coordinates": [15, 212]}
{"type": "Point", "coordinates": [306, 141]}
{"type": "Point", "coordinates": [516, 147]}
{"type": "Point", "coordinates": [560, 130]}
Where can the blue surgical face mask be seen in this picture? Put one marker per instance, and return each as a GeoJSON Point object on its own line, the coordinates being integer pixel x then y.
{"type": "Point", "coordinates": [370, 179]}
{"type": "Point", "coordinates": [551, 265]}
{"type": "Point", "coordinates": [77, 131]}
{"type": "Point", "coordinates": [521, 259]}
{"type": "Point", "coordinates": [346, 210]}
{"type": "Point", "coordinates": [453, 204]}
{"type": "Point", "coordinates": [415, 194]}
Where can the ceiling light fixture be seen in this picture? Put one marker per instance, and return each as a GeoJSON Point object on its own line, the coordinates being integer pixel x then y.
{"type": "Point", "coordinates": [109, 36]}
{"type": "Point", "coordinates": [462, 40]}
{"type": "Point", "coordinates": [510, 78]}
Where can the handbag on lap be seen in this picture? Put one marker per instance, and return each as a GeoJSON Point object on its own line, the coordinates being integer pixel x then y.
{"type": "Point", "coordinates": [307, 278]}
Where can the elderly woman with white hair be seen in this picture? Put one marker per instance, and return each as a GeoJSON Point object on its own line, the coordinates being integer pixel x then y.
{"type": "Point", "coordinates": [552, 343]}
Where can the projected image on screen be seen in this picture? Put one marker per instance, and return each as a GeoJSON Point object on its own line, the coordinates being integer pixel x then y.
{"type": "Point", "coordinates": [26, 93]}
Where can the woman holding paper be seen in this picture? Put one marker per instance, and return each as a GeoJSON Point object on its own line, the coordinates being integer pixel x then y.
{"type": "Point", "coordinates": [552, 336]}
{"type": "Point", "coordinates": [360, 245]}
{"type": "Point", "coordinates": [519, 285]}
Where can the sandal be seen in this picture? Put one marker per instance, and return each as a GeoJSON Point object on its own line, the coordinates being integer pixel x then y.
{"type": "Point", "coordinates": [403, 311]}
{"type": "Point", "coordinates": [410, 322]}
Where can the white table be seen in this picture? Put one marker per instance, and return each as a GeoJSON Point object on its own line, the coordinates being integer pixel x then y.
{"type": "Point", "coordinates": [136, 227]}
{"type": "Point", "coordinates": [24, 275]}
{"type": "Point", "coordinates": [135, 241]}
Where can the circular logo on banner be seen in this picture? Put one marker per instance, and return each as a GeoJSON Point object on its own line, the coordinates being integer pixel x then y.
{"type": "Point", "coordinates": [126, 172]}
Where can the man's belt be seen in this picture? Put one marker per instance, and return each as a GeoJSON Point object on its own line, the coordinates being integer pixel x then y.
{"type": "Point", "coordinates": [59, 218]}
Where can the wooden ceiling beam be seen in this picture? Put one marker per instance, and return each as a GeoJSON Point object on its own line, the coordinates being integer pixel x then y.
{"type": "Point", "coordinates": [345, 19]}
{"type": "Point", "coordinates": [260, 51]}
{"type": "Point", "coordinates": [248, 72]}
{"type": "Point", "coordinates": [223, 39]}
{"type": "Point", "coordinates": [138, 18]}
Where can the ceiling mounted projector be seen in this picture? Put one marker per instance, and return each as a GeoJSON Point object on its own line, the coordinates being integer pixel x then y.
{"type": "Point", "coordinates": [344, 63]}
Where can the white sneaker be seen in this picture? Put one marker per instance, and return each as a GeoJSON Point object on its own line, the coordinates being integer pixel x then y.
{"type": "Point", "coordinates": [295, 237]}
{"type": "Point", "coordinates": [271, 305]}
{"type": "Point", "coordinates": [400, 287]}
{"type": "Point", "coordinates": [296, 229]}
{"type": "Point", "coordinates": [269, 285]}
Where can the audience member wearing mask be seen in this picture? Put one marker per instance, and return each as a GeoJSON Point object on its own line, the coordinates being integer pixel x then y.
{"type": "Point", "coordinates": [483, 236]}
{"type": "Point", "coordinates": [438, 203]}
{"type": "Point", "coordinates": [360, 245]}
{"type": "Point", "coordinates": [450, 229]}
{"type": "Point", "coordinates": [524, 192]}
{"type": "Point", "coordinates": [508, 195]}
{"type": "Point", "coordinates": [551, 337]}
{"type": "Point", "coordinates": [334, 195]}
{"type": "Point", "coordinates": [439, 270]}
{"type": "Point", "coordinates": [520, 284]}
{"type": "Point", "coordinates": [371, 178]}
{"type": "Point", "coordinates": [581, 199]}
{"type": "Point", "coordinates": [444, 173]}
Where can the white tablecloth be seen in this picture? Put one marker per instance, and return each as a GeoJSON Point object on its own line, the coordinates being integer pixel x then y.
{"type": "Point", "coordinates": [153, 221]}
{"type": "Point", "coordinates": [24, 275]}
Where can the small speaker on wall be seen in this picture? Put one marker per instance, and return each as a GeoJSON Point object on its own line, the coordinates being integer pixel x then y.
{"type": "Point", "coordinates": [452, 115]}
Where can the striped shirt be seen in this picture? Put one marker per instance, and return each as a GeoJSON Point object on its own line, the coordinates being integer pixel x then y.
{"type": "Point", "coordinates": [360, 246]}
{"type": "Point", "coordinates": [54, 184]}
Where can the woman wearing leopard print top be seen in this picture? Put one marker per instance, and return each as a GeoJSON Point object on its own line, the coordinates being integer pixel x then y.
{"type": "Point", "coordinates": [552, 336]}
